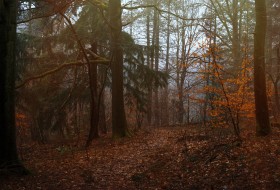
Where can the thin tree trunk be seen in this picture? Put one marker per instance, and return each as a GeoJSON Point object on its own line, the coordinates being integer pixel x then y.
{"type": "Point", "coordinates": [188, 109]}
{"type": "Point", "coordinates": [276, 96]}
{"type": "Point", "coordinates": [175, 118]}
{"type": "Point", "coordinates": [149, 106]}
{"type": "Point", "coordinates": [102, 118]}
{"type": "Point", "coordinates": [165, 111]}
{"type": "Point", "coordinates": [156, 50]}
{"type": "Point", "coordinates": [152, 64]}
{"type": "Point", "coordinates": [183, 70]}
{"type": "Point", "coordinates": [94, 108]}
{"type": "Point", "coordinates": [235, 37]}
{"type": "Point", "coordinates": [181, 110]}
{"type": "Point", "coordinates": [269, 36]}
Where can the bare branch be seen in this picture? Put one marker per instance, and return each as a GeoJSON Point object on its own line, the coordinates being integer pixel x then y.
{"type": "Point", "coordinates": [164, 11]}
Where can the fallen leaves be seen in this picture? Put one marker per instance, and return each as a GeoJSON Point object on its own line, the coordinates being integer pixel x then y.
{"type": "Point", "coordinates": [163, 158]}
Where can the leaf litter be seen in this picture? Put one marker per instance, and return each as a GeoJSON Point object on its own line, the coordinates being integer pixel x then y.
{"type": "Point", "coordinates": [160, 158]}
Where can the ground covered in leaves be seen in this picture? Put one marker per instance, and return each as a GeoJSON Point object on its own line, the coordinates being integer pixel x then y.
{"type": "Point", "coordinates": [162, 158]}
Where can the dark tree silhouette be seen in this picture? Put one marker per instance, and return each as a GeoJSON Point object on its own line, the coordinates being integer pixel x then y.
{"type": "Point", "coordinates": [119, 123]}
{"type": "Point", "coordinates": [262, 116]}
{"type": "Point", "coordinates": [94, 110]}
{"type": "Point", "coordinates": [9, 161]}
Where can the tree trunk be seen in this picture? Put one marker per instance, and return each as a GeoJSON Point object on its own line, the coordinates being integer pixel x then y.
{"type": "Point", "coordinates": [277, 79]}
{"type": "Point", "coordinates": [188, 109]}
{"type": "Point", "coordinates": [183, 72]}
{"type": "Point", "coordinates": [235, 38]}
{"type": "Point", "coordinates": [150, 94]}
{"type": "Point", "coordinates": [102, 118]}
{"type": "Point", "coordinates": [102, 72]}
{"type": "Point", "coordinates": [152, 64]}
{"type": "Point", "coordinates": [94, 108]}
{"type": "Point", "coordinates": [269, 36]}
{"type": "Point", "coordinates": [181, 110]}
{"type": "Point", "coordinates": [8, 149]}
{"type": "Point", "coordinates": [156, 56]}
{"type": "Point", "coordinates": [276, 96]}
{"type": "Point", "coordinates": [262, 116]}
{"type": "Point", "coordinates": [165, 110]}
{"type": "Point", "coordinates": [119, 123]}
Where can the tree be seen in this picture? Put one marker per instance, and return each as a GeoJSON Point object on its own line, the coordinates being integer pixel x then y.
{"type": "Point", "coordinates": [273, 52]}
{"type": "Point", "coordinates": [149, 63]}
{"type": "Point", "coordinates": [94, 110]}
{"type": "Point", "coordinates": [187, 38]}
{"type": "Point", "coordinates": [232, 100]}
{"type": "Point", "coordinates": [155, 45]}
{"type": "Point", "coordinates": [165, 106]}
{"type": "Point", "coordinates": [8, 150]}
{"type": "Point", "coordinates": [231, 21]}
{"type": "Point", "coordinates": [119, 123]}
{"type": "Point", "coordinates": [262, 115]}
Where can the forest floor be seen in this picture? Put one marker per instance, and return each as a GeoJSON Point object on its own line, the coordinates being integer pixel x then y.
{"type": "Point", "coordinates": [162, 158]}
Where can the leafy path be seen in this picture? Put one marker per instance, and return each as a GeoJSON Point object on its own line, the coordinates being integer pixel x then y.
{"type": "Point", "coordinates": [164, 158]}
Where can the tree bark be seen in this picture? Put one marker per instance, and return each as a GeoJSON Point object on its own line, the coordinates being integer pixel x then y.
{"type": "Point", "coordinates": [277, 80]}
{"type": "Point", "coordinates": [94, 108]}
{"type": "Point", "coordinates": [165, 113]}
{"type": "Point", "coordinates": [235, 37]}
{"type": "Point", "coordinates": [149, 63]}
{"type": "Point", "coordinates": [119, 123]}
{"type": "Point", "coordinates": [8, 150]}
{"type": "Point", "coordinates": [269, 36]}
{"type": "Point", "coordinates": [262, 115]}
{"type": "Point", "coordinates": [156, 56]}
{"type": "Point", "coordinates": [102, 118]}
{"type": "Point", "coordinates": [183, 72]}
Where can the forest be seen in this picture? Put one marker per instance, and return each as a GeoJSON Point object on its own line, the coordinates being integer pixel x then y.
{"type": "Point", "coordinates": [148, 94]}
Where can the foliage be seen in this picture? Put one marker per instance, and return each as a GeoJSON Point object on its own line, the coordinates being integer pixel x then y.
{"type": "Point", "coordinates": [232, 97]}
{"type": "Point", "coordinates": [138, 78]}
{"type": "Point", "coordinates": [47, 40]}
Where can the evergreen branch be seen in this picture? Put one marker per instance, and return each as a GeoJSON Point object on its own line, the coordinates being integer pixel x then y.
{"type": "Point", "coordinates": [42, 75]}
{"type": "Point", "coordinates": [36, 17]}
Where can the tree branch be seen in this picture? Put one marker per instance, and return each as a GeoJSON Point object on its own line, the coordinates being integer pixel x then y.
{"type": "Point", "coordinates": [164, 11]}
{"type": "Point", "coordinates": [78, 63]}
